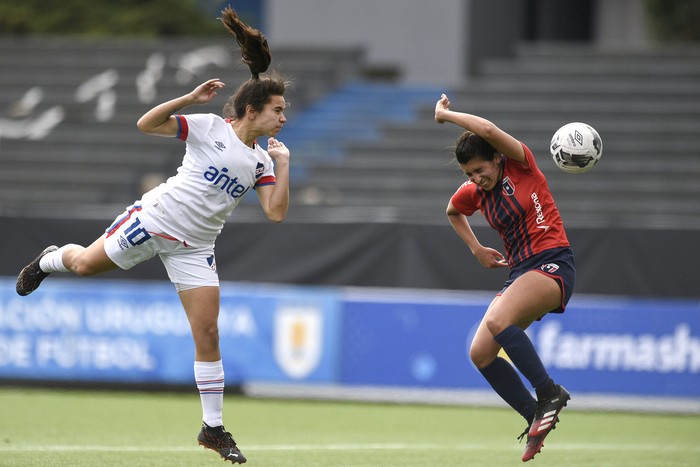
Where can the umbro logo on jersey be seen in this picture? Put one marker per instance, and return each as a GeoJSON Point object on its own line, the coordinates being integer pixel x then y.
{"type": "Point", "coordinates": [219, 145]}
{"type": "Point", "coordinates": [550, 267]}
{"type": "Point", "coordinates": [259, 169]}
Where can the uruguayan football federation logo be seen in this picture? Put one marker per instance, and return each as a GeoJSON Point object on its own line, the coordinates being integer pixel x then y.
{"type": "Point", "coordinates": [298, 340]}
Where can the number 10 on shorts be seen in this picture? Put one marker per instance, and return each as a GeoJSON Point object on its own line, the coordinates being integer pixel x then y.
{"type": "Point", "coordinates": [136, 235]}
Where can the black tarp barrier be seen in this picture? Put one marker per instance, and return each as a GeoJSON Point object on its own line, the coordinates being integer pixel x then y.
{"type": "Point", "coordinates": [652, 263]}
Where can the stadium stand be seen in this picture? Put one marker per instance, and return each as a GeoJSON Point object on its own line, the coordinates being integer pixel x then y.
{"type": "Point", "coordinates": [69, 146]}
{"type": "Point", "coordinates": [646, 106]}
{"type": "Point", "coordinates": [363, 151]}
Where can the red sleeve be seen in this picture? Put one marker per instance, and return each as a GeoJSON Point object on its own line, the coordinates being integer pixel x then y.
{"type": "Point", "coordinates": [465, 199]}
{"type": "Point", "coordinates": [521, 166]}
{"type": "Point", "coordinates": [530, 158]}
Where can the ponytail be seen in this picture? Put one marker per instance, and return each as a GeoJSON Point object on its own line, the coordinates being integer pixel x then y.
{"type": "Point", "coordinates": [255, 91]}
{"type": "Point", "coordinates": [256, 53]}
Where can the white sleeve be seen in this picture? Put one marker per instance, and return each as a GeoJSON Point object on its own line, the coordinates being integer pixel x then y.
{"type": "Point", "coordinates": [265, 173]}
{"type": "Point", "coordinates": [193, 128]}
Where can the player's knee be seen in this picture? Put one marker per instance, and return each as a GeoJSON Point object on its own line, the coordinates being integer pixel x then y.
{"type": "Point", "coordinates": [208, 337]}
{"type": "Point", "coordinates": [479, 357]}
{"type": "Point", "coordinates": [495, 324]}
{"type": "Point", "coordinates": [474, 356]}
{"type": "Point", "coordinates": [212, 334]}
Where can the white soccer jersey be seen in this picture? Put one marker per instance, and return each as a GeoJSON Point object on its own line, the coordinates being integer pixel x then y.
{"type": "Point", "coordinates": [218, 169]}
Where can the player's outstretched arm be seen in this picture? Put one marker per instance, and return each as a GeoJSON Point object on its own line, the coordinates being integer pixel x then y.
{"type": "Point", "coordinates": [160, 121]}
{"type": "Point", "coordinates": [501, 141]}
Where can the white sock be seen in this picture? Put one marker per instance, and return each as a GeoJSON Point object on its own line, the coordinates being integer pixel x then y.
{"type": "Point", "coordinates": [210, 382]}
{"type": "Point", "coordinates": [53, 262]}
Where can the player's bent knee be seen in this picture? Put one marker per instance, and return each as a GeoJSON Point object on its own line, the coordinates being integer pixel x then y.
{"type": "Point", "coordinates": [496, 324]}
{"type": "Point", "coordinates": [479, 357]}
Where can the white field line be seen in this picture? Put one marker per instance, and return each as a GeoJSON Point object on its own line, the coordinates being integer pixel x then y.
{"type": "Point", "coordinates": [360, 447]}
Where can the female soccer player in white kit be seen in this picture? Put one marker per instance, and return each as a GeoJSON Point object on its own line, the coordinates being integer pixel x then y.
{"type": "Point", "coordinates": [180, 220]}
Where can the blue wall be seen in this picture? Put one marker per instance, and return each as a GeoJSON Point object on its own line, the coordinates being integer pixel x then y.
{"type": "Point", "coordinates": [123, 331]}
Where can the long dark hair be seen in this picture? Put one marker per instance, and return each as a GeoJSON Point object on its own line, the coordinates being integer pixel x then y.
{"type": "Point", "coordinates": [470, 145]}
{"type": "Point", "coordinates": [255, 91]}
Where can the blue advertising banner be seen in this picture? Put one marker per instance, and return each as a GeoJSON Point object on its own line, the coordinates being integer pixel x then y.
{"type": "Point", "coordinates": [138, 332]}
{"type": "Point", "coordinates": [124, 331]}
{"type": "Point", "coordinates": [600, 345]}
{"type": "Point", "coordinates": [645, 347]}
{"type": "Point", "coordinates": [409, 341]}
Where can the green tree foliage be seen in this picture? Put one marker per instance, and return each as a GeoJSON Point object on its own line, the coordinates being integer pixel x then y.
{"type": "Point", "coordinates": [674, 20]}
{"type": "Point", "coordinates": [102, 18]}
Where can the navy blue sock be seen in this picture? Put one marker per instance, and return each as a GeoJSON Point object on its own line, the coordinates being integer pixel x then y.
{"type": "Point", "coordinates": [507, 383]}
{"type": "Point", "coordinates": [524, 356]}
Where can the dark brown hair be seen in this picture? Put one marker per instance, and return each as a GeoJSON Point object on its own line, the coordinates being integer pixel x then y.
{"type": "Point", "coordinates": [255, 91]}
{"type": "Point", "coordinates": [470, 145]}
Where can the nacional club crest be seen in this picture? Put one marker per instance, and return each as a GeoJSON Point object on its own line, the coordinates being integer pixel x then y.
{"type": "Point", "coordinates": [508, 186]}
{"type": "Point", "coordinates": [259, 170]}
{"type": "Point", "coordinates": [298, 336]}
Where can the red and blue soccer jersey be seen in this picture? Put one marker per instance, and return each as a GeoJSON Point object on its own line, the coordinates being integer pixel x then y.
{"type": "Point", "coordinates": [522, 211]}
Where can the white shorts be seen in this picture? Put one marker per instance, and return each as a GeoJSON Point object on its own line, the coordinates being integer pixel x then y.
{"type": "Point", "coordinates": [133, 239]}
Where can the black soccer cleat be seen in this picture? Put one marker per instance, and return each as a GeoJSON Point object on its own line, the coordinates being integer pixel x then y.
{"type": "Point", "coordinates": [546, 418]}
{"type": "Point", "coordinates": [534, 444]}
{"type": "Point", "coordinates": [31, 276]}
{"type": "Point", "coordinates": [547, 412]}
{"type": "Point", "coordinates": [218, 439]}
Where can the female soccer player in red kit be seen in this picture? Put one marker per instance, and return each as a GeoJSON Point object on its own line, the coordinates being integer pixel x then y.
{"type": "Point", "coordinates": [506, 186]}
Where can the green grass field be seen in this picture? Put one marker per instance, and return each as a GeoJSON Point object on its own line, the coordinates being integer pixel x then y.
{"type": "Point", "coordinates": [105, 428]}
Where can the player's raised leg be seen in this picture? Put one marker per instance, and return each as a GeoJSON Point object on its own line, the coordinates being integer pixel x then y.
{"type": "Point", "coordinates": [71, 257]}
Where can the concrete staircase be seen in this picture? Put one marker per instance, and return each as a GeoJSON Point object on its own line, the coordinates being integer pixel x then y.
{"type": "Point", "coordinates": [362, 151]}
{"type": "Point", "coordinates": [69, 146]}
{"type": "Point", "coordinates": [645, 105]}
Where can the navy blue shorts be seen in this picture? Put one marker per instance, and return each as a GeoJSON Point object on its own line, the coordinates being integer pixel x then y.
{"type": "Point", "coordinates": [557, 263]}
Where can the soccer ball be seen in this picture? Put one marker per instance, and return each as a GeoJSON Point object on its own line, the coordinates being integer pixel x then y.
{"type": "Point", "coordinates": [576, 147]}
